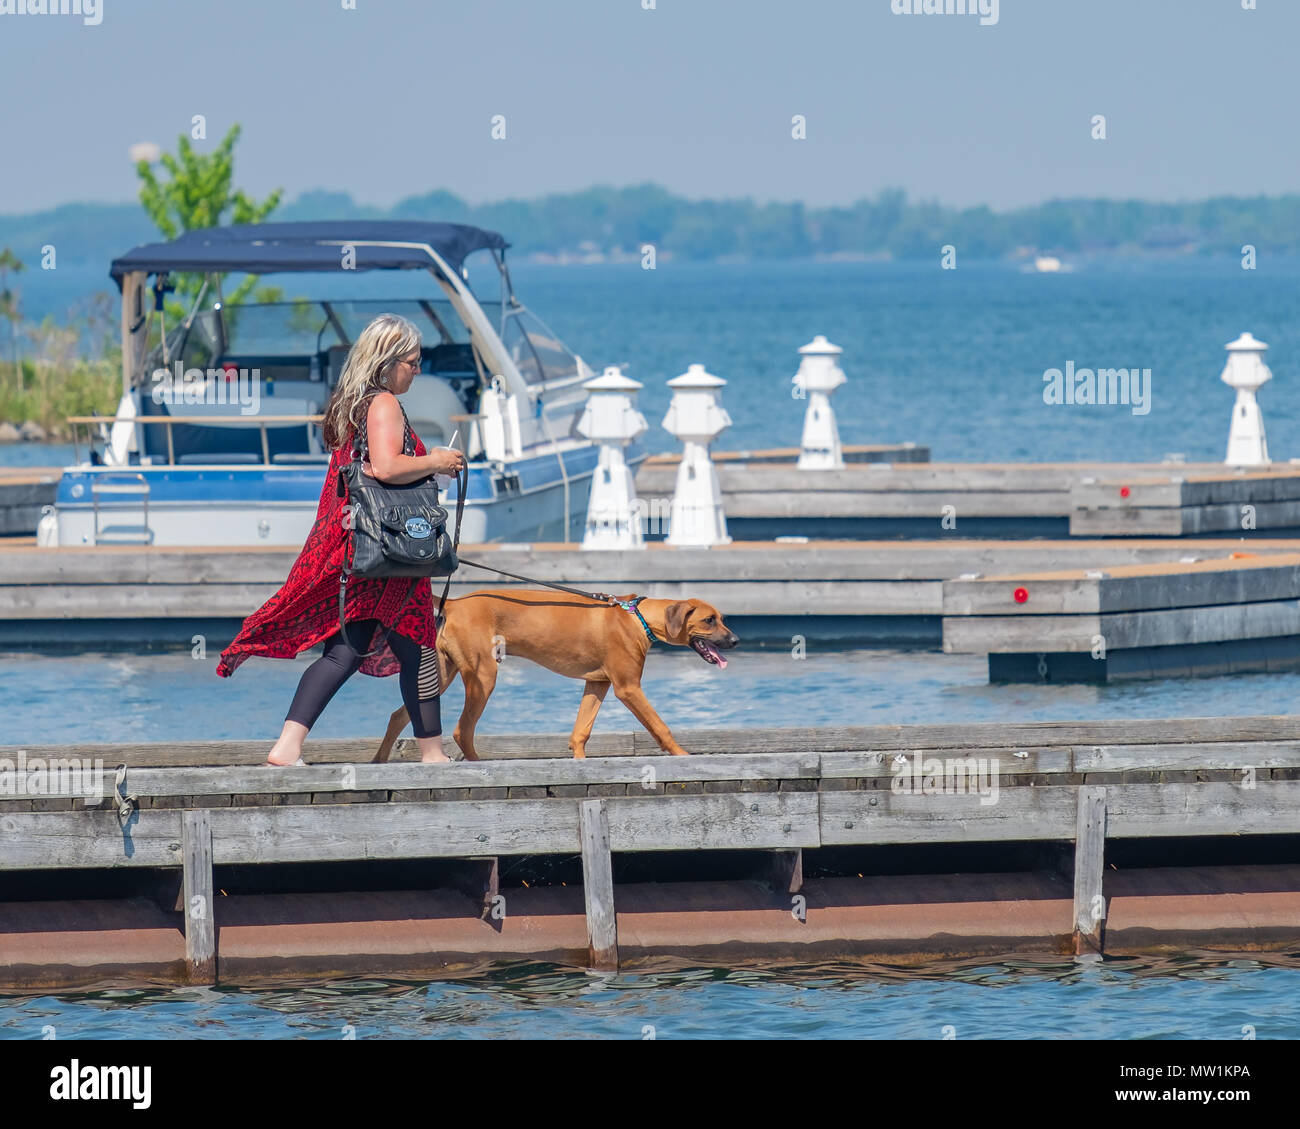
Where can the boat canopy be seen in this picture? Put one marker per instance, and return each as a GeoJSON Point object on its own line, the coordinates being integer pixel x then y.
{"type": "Point", "coordinates": [264, 248]}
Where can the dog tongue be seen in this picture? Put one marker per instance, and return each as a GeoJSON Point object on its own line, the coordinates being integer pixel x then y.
{"type": "Point", "coordinates": [714, 653]}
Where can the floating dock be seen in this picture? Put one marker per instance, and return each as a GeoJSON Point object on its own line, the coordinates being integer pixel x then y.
{"type": "Point", "coordinates": [936, 500]}
{"type": "Point", "coordinates": [1188, 503]}
{"type": "Point", "coordinates": [829, 591]}
{"type": "Point", "coordinates": [892, 844]}
{"type": "Point", "coordinates": [1167, 620]}
{"type": "Point", "coordinates": [895, 491]}
{"type": "Point", "coordinates": [25, 491]}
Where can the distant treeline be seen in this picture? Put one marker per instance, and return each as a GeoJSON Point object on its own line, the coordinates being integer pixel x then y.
{"type": "Point", "coordinates": [614, 221]}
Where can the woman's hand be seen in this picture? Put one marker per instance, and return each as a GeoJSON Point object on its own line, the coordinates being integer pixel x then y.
{"type": "Point", "coordinates": [447, 460]}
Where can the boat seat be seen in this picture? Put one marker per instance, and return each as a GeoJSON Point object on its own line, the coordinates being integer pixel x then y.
{"type": "Point", "coordinates": [222, 443]}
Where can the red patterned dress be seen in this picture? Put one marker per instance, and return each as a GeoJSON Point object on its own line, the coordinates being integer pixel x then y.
{"type": "Point", "coordinates": [305, 611]}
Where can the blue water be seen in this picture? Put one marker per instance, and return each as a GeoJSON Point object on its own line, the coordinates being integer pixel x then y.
{"type": "Point", "coordinates": [1182, 998]}
{"type": "Point", "coordinates": [953, 360]}
{"type": "Point", "coordinates": [152, 697]}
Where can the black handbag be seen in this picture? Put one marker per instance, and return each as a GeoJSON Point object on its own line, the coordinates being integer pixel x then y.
{"type": "Point", "coordinates": [396, 531]}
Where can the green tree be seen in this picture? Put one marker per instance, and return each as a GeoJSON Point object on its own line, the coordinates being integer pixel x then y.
{"type": "Point", "coordinates": [9, 262]}
{"type": "Point", "coordinates": [199, 193]}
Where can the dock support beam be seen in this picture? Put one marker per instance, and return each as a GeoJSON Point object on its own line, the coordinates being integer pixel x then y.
{"type": "Point", "coordinates": [598, 884]}
{"type": "Point", "coordinates": [198, 907]}
{"type": "Point", "coordinates": [1089, 870]}
{"type": "Point", "coordinates": [479, 879]}
{"type": "Point", "coordinates": [785, 871]}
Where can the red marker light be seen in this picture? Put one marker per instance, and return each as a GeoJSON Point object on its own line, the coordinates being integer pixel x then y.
{"type": "Point", "coordinates": [1124, 491]}
{"type": "Point", "coordinates": [1020, 595]}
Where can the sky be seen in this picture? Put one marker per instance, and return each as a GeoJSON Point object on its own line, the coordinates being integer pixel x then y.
{"type": "Point", "coordinates": [386, 99]}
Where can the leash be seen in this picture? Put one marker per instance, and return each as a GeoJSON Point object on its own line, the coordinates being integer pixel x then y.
{"type": "Point", "coordinates": [599, 597]}
{"type": "Point", "coordinates": [462, 488]}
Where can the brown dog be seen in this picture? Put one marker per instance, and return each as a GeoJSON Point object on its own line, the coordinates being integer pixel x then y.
{"type": "Point", "coordinates": [603, 644]}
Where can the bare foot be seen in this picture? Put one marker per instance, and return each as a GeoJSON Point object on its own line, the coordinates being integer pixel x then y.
{"type": "Point", "coordinates": [288, 749]}
{"type": "Point", "coordinates": [431, 750]}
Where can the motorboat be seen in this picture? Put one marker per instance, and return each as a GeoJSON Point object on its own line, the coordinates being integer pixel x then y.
{"type": "Point", "coordinates": [216, 438]}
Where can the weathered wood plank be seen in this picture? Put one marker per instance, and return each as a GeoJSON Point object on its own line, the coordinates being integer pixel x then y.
{"type": "Point", "coordinates": [1089, 870]}
{"type": "Point", "coordinates": [1017, 634]}
{"type": "Point", "coordinates": [89, 839]}
{"type": "Point", "coordinates": [335, 832]}
{"type": "Point", "coordinates": [598, 884]}
{"type": "Point", "coordinates": [1010, 761]}
{"type": "Point", "coordinates": [1110, 732]}
{"type": "Point", "coordinates": [714, 822]}
{"type": "Point", "coordinates": [199, 898]}
{"type": "Point", "coordinates": [1135, 811]}
{"type": "Point", "coordinates": [1257, 755]}
{"type": "Point", "coordinates": [883, 816]}
{"type": "Point", "coordinates": [501, 774]}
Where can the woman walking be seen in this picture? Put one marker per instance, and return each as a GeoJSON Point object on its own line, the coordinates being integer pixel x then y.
{"type": "Point", "coordinates": [389, 623]}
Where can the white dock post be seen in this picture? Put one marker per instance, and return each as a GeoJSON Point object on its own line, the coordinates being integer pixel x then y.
{"type": "Point", "coordinates": [612, 420]}
{"type": "Point", "coordinates": [818, 376]}
{"type": "Point", "coordinates": [697, 417]}
{"type": "Point", "coordinates": [1246, 371]}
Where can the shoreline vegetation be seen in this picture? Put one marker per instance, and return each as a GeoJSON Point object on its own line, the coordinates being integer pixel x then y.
{"type": "Point", "coordinates": [56, 368]}
{"type": "Point", "coordinates": [604, 223]}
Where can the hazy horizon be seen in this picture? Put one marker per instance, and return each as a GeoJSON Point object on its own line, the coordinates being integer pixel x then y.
{"type": "Point", "coordinates": [697, 98]}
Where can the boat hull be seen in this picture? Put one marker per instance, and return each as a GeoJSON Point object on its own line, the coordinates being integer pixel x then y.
{"type": "Point", "coordinates": [276, 505]}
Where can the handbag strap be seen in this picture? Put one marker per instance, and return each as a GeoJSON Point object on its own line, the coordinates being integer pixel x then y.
{"type": "Point", "coordinates": [462, 484]}
{"type": "Point", "coordinates": [408, 438]}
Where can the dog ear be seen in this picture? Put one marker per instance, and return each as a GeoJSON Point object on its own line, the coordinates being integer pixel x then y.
{"type": "Point", "coordinates": [675, 618]}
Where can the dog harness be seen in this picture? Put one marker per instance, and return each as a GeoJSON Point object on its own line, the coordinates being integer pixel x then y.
{"type": "Point", "coordinates": [631, 606]}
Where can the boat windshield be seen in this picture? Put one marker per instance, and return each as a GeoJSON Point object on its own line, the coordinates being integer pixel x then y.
{"type": "Point", "coordinates": [300, 333]}
{"type": "Point", "coordinates": [301, 328]}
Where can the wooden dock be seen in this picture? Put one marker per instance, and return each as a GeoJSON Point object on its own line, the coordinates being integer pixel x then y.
{"type": "Point", "coordinates": [1192, 617]}
{"type": "Point", "coordinates": [1187, 504]}
{"type": "Point", "coordinates": [179, 870]}
{"type": "Point", "coordinates": [24, 491]}
{"type": "Point", "coordinates": [895, 491]}
{"type": "Point", "coordinates": [827, 590]}
{"type": "Point", "coordinates": [935, 500]}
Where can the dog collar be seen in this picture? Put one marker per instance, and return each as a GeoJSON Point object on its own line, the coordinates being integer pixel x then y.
{"type": "Point", "coordinates": [631, 606]}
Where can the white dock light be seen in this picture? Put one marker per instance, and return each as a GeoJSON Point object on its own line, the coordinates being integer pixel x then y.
{"type": "Point", "coordinates": [818, 376]}
{"type": "Point", "coordinates": [696, 416]}
{"type": "Point", "coordinates": [1246, 371]}
{"type": "Point", "coordinates": [612, 420]}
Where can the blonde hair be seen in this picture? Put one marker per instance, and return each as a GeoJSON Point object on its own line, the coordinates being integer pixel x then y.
{"type": "Point", "coordinates": [385, 341]}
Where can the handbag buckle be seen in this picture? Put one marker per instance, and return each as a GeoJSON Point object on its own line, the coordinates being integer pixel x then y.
{"type": "Point", "coordinates": [418, 527]}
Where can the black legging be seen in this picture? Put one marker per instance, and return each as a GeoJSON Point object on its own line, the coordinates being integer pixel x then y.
{"type": "Point", "coordinates": [418, 678]}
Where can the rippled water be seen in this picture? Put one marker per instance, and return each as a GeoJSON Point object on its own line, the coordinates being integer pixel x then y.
{"type": "Point", "coordinates": [1187, 998]}
{"type": "Point", "coordinates": [159, 697]}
